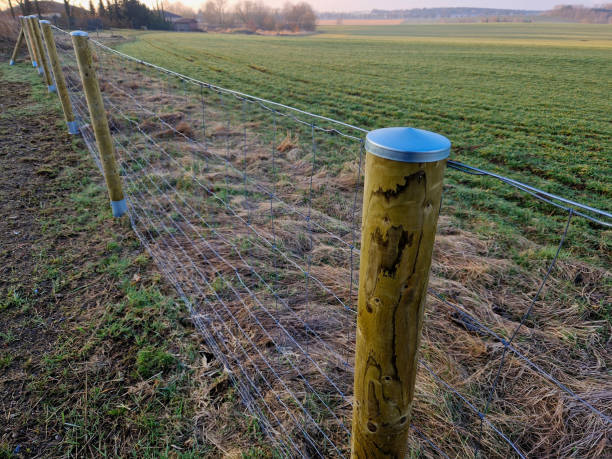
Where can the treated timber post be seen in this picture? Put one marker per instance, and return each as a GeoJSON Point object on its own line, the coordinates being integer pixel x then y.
{"type": "Point", "coordinates": [58, 74]}
{"type": "Point", "coordinates": [42, 55]}
{"type": "Point", "coordinates": [401, 202]}
{"type": "Point", "coordinates": [28, 20]}
{"type": "Point", "coordinates": [80, 41]}
{"type": "Point", "coordinates": [24, 27]}
{"type": "Point", "coordinates": [17, 46]}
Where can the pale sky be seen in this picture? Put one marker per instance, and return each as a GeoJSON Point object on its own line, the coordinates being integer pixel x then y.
{"type": "Point", "coordinates": [359, 5]}
{"type": "Point", "coordinates": [366, 5]}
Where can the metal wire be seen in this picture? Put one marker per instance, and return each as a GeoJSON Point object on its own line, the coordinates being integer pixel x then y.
{"type": "Point", "coordinates": [264, 252]}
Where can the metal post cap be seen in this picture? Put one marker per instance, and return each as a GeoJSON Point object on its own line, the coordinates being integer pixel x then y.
{"type": "Point", "coordinates": [79, 33]}
{"type": "Point", "coordinates": [408, 145]}
{"type": "Point", "coordinates": [44, 21]}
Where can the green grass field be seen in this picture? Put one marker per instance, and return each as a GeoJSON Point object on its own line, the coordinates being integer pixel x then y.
{"type": "Point", "coordinates": [531, 101]}
{"type": "Point", "coordinates": [532, 98]}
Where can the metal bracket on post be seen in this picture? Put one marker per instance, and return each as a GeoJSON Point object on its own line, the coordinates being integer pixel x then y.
{"type": "Point", "coordinates": [80, 41]}
{"type": "Point", "coordinates": [401, 202]}
{"type": "Point", "coordinates": [58, 74]}
{"type": "Point", "coordinates": [73, 127]}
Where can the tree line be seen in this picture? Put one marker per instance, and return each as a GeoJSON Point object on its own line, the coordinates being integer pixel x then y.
{"type": "Point", "coordinates": [128, 14]}
{"type": "Point", "coordinates": [426, 13]}
{"type": "Point", "coordinates": [578, 13]}
{"type": "Point", "coordinates": [107, 13]}
{"type": "Point", "coordinates": [213, 15]}
{"type": "Point", "coordinates": [573, 13]}
{"type": "Point", "coordinates": [255, 15]}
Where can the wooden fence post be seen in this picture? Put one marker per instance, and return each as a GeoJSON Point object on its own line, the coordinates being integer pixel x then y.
{"type": "Point", "coordinates": [28, 21]}
{"type": "Point", "coordinates": [26, 35]}
{"type": "Point", "coordinates": [42, 55]}
{"type": "Point", "coordinates": [80, 41]}
{"type": "Point", "coordinates": [18, 45]}
{"type": "Point", "coordinates": [58, 74]}
{"type": "Point", "coordinates": [401, 202]}
{"type": "Point", "coordinates": [30, 41]}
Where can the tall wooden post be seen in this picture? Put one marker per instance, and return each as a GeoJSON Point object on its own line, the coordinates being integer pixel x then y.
{"type": "Point", "coordinates": [80, 41]}
{"type": "Point", "coordinates": [58, 74]}
{"type": "Point", "coordinates": [28, 22]}
{"type": "Point", "coordinates": [18, 45]}
{"type": "Point", "coordinates": [26, 35]}
{"type": "Point", "coordinates": [42, 55]}
{"type": "Point", "coordinates": [34, 44]}
{"type": "Point", "coordinates": [401, 202]}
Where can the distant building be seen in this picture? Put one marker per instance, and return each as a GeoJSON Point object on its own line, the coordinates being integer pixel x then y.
{"type": "Point", "coordinates": [171, 17]}
{"type": "Point", "coordinates": [180, 23]}
{"type": "Point", "coordinates": [186, 25]}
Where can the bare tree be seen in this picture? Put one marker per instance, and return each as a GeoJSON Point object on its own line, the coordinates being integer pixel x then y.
{"type": "Point", "coordinates": [25, 6]}
{"type": "Point", "coordinates": [215, 13]}
{"type": "Point", "coordinates": [179, 8]}
{"type": "Point", "coordinates": [221, 7]}
{"type": "Point", "coordinates": [209, 14]}
{"type": "Point", "coordinates": [68, 11]}
{"type": "Point", "coordinates": [11, 8]}
{"type": "Point", "coordinates": [299, 16]}
{"type": "Point", "coordinates": [255, 15]}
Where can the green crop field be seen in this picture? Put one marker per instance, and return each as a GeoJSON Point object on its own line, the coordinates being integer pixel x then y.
{"type": "Point", "coordinates": [531, 101]}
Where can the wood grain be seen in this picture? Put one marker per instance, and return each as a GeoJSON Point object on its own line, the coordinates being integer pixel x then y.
{"type": "Point", "coordinates": [58, 74]}
{"type": "Point", "coordinates": [98, 116]}
{"type": "Point", "coordinates": [401, 204]}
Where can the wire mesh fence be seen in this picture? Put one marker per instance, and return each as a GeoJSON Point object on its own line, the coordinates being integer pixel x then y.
{"type": "Point", "coordinates": [252, 210]}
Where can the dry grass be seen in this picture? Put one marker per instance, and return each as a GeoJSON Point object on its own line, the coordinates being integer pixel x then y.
{"type": "Point", "coordinates": [291, 348]}
{"type": "Point", "coordinates": [288, 143]}
{"type": "Point", "coordinates": [9, 29]}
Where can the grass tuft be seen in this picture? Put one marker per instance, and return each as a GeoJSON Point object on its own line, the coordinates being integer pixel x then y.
{"type": "Point", "coordinates": [151, 361]}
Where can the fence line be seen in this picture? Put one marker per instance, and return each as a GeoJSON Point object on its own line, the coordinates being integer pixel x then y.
{"type": "Point", "coordinates": [254, 249]}
{"type": "Point", "coordinates": [535, 192]}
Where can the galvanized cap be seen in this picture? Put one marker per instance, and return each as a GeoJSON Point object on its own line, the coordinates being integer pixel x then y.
{"type": "Point", "coordinates": [408, 145]}
{"type": "Point", "coordinates": [79, 33]}
{"type": "Point", "coordinates": [44, 21]}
